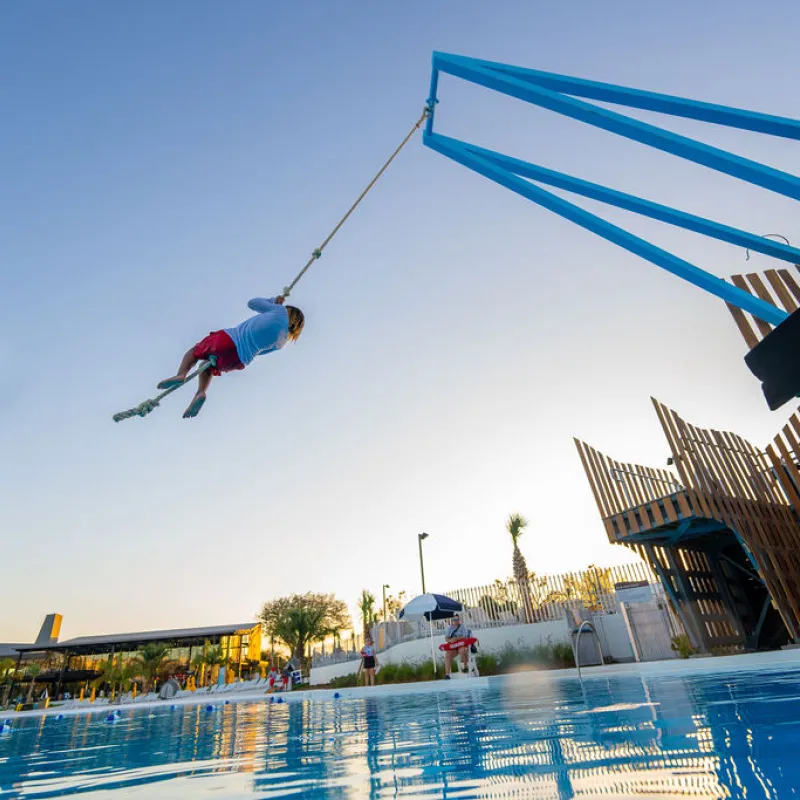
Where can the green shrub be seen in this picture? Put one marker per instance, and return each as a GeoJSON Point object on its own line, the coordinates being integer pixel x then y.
{"type": "Point", "coordinates": [344, 682]}
{"type": "Point", "coordinates": [563, 654]}
{"type": "Point", "coordinates": [487, 663]}
{"type": "Point", "coordinates": [547, 655]}
{"type": "Point", "coordinates": [682, 646]}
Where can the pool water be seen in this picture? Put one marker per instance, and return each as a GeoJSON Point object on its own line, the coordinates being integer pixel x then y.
{"type": "Point", "coordinates": [714, 735]}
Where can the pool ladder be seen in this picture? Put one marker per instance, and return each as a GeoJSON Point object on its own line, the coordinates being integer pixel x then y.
{"type": "Point", "coordinates": [576, 650]}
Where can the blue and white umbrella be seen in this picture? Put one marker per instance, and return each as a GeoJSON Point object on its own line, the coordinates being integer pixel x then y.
{"type": "Point", "coordinates": [430, 607]}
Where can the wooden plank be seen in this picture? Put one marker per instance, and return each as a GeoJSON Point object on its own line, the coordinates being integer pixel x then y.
{"type": "Point", "coordinates": [761, 289]}
{"type": "Point", "coordinates": [765, 485]}
{"type": "Point", "coordinates": [763, 327]}
{"type": "Point", "coordinates": [743, 466]}
{"type": "Point", "coordinates": [743, 324]}
{"type": "Point", "coordinates": [669, 507]}
{"type": "Point", "coordinates": [702, 479]}
{"type": "Point", "coordinates": [683, 504]}
{"type": "Point", "coordinates": [619, 485]}
{"type": "Point", "coordinates": [787, 301]}
{"type": "Point", "coordinates": [690, 498]}
{"type": "Point", "coordinates": [636, 484]}
{"type": "Point", "coordinates": [791, 283]}
{"type": "Point", "coordinates": [787, 466]}
{"type": "Point", "coordinates": [589, 476]}
{"type": "Point", "coordinates": [655, 512]}
{"type": "Point", "coordinates": [598, 468]}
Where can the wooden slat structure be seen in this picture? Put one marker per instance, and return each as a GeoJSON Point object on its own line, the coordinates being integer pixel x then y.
{"type": "Point", "coordinates": [723, 536]}
{"type": "Point", "coordinates": [781, 287]}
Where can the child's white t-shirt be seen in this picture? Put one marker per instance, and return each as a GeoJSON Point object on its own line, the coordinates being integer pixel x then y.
{"type": "Point", "coordinates": [266, 332]}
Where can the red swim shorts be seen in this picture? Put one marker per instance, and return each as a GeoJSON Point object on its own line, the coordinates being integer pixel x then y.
{"type": "Point", "coordinates": [219, 344]}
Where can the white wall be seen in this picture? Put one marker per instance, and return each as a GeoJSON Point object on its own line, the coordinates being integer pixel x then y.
{"type": "Point", "coordinates": [614, 637]}
{"type": "Point", "coordinates": [611, 629]}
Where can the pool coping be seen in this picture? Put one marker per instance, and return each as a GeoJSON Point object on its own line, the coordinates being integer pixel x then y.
{"type": "Point", "coordinates": [774, 660]}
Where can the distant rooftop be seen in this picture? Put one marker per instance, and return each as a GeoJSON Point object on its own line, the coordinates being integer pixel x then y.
{"type": "Point", "coordinates": [179, 637]}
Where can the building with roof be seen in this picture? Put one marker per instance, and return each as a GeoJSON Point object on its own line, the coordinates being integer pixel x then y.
{"type": "Point", "coordinates": [81, 659]}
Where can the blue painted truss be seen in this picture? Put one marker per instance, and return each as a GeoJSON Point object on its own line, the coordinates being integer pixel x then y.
{"type": "Point", "coordinates": [561, 94]}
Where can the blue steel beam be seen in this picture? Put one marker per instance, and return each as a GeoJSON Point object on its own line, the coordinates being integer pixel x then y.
{"type": "Point", "coordinates": [690, 149]}
{"type": "Point", "coordinates": [461, 153]}
{"type": "Point", "coordinates": [648, 101]}
{"type": "Point", "coordinates": [638, 205]}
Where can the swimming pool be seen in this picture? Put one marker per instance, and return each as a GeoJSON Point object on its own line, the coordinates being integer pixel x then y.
{"type": "Point", "coordinates": [710, 735]}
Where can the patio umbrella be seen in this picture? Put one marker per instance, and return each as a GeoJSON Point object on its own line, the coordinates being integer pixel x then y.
{"type": "Point", "coordinates": [430, 607]}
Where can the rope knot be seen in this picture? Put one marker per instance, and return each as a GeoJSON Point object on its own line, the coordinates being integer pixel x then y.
{"type": "Point", "coordinates": [317, 253]}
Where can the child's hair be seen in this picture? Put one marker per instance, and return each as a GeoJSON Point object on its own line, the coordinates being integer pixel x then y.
{"type": "Point", "coordinates": [296, 322]}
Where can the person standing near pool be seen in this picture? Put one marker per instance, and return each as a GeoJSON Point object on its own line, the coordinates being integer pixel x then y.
{"type": "Point", "coordinates": [369, 661]}
{"type": "Point", "coordinates": [457, 631]}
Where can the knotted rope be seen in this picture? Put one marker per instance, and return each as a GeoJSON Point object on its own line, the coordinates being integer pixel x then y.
{"type": "Point", "coordinates": [143, 409]}
{"type": "Point", "coordinates": [318, 252]}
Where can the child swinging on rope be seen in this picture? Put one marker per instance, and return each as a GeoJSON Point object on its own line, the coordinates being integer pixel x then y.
{"type": "Point", "coordinates": [235, 348]}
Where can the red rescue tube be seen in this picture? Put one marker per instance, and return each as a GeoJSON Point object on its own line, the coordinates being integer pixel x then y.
{"type": "Point", "coordinates": [458, 643]}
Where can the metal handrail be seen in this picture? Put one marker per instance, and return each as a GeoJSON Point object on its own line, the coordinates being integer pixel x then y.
{"type": "Point", "coordinates": [576, 647]}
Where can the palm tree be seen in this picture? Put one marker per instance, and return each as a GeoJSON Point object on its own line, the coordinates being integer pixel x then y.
{"type": "Point", "coordinates": [6, 669]}
{"type": "Point", "coordinates": [198, 664]}
{"type": "Point", "coordinates": [33, 670]}
{"type": "Point", "coordinates": [214, 658]}
{"type": "Point", "coordinates": [515, 525]}
{"type": "Point", "coordinates": [109, 674]}
{"type": "Point", "coordinates": [366, 604]}
{"type": "Point", "coordinates": [151, 662]}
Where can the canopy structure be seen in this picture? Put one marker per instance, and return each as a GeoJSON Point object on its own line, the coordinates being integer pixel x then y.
{"type": "Point", "coordinates": [114, 643]}
{"type": "Point", "coordinates": [562, 95]}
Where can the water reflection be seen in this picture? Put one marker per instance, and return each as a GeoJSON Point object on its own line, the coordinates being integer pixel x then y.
{"type": "Point", "coordinates": [542, 736]}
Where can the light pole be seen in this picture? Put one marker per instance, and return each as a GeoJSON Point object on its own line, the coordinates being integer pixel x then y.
{"type": "Point", "coordinates": [420, 537]}
{"type": "Point", "coordinates": [385, 587]}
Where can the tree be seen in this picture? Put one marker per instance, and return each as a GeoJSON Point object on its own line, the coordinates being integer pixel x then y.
{"type": "Point", "coordinates": [515, 525]}
{"type": "Point", "coordinates": [366, 605]}
{"type": "Point", "coordinates": [214, 658]}
{"type": "Point", "coordinates": [151, 662]}
{"type": "Point", "coordinates": [198, 664]}
{"type": "Point", "coordinates": [33, 670]}
{"type": "Point", "coordinates": [113, 672]}
{"type": "Point", "coordinates": [495, 607]}
{"type": "Point", "coordinates": [591, 586]}
{"type": "Point", "coordinates": [394, 603]}
{"type": "Point", "coordinates": [302, 619]}
{"type": "Point", "coordinates": [6, 679]}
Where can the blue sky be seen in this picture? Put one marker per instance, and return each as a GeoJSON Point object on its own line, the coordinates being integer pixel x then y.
{"type": "Point", "coordinates": [163, 162]}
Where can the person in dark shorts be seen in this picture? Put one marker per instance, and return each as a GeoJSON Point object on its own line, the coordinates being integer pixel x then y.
{"type": "Point", "coordinates": [235, 348]}
{"type": "Point", "coordinates": [369, 661]}
{"type": "Point", "coordinates": [457, 632]}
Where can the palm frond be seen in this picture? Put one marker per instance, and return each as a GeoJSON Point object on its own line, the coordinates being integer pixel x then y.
{"type": "Point", "coordinates": [515, 524]}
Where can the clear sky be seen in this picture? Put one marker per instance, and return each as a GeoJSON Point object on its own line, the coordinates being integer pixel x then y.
{"type": "Point", "coordinates": [161, 163]}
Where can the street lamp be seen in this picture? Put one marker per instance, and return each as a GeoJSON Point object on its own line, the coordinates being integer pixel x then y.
{"type": "Point", "coordinates": [385, 587]}
{"type": "Point", "coordinates": [420, 537]}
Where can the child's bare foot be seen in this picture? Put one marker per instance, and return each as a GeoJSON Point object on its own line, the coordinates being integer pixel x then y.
{"type": "Point", "coordinates": [169, 383]}
{"type": "Point", "coordinates": [194, 407]}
